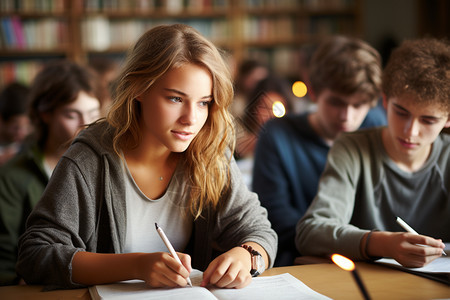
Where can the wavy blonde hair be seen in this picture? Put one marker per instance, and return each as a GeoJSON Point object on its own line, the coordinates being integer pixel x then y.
{"type": "Point", "coordinates": [158, 50]}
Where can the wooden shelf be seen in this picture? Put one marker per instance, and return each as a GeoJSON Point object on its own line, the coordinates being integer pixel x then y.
{"type": "Point", "coordinates": [233, 26]}
{"type": "Point", "coordinates": [60, 51]}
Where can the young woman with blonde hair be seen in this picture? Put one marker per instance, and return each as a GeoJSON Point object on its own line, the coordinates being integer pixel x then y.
{"type": "Point", "coordinates": [163, 155]}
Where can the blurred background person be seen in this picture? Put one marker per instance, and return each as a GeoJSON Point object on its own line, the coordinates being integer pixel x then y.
{"type": "Point", "coordinates": [15, 124]}
{"type": "Point", "coordinates": [270, 98]}
{"type": "Point", "coordinates": [345, 83]}
{"type": "Point", "coordinates": [248, 74]}
{"type": "Point", "coordinates": [305, 103]}
{"type": "Point", "coordinates": [63, 98]}
{"type": "Point", "coordinates": [107, 70]}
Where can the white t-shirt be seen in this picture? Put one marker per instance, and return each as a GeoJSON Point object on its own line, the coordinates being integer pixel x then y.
{"type": "Point", "coordinates": [142, 214]}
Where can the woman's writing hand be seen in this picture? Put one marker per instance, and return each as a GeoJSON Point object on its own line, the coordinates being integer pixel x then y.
{"type": "Point", "coordinates": [160, 269]}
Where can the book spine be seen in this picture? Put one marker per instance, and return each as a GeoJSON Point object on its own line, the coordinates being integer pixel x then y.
{"type": "Point", "coordinates": [9, 33]}
{"type": "Point", "coordinates": [18, 32]}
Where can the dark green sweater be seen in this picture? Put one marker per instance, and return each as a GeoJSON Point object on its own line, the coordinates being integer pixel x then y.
{"type": "Point", "coordinates": [22, 182]}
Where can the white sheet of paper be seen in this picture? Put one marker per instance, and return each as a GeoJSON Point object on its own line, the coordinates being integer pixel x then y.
{"type": "Point", "coordinates": [283, 286]}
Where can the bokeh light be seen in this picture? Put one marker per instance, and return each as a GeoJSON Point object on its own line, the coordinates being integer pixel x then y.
{"type": "Point", "coordinates": [278, 109]}
{"type": "Point", "coordinates": [343, 262]}
{"type": "Point", "coordinates": [299, 89]}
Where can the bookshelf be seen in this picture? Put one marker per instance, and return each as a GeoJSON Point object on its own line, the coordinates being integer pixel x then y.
{"type": "Point", "coordinates": [35, 31]}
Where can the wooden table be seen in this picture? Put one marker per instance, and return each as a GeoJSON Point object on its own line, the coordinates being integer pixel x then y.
{"type": "Point", "coordinates": [381, 282]}
{"type": "Point", "coordinates": [328, 279]}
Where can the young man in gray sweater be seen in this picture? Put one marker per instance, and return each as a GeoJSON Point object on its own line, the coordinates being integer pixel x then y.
{"type": "Point", "coordinates": [401, 170]}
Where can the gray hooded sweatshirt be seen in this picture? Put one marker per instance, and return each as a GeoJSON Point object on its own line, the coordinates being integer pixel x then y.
{"type": "Point", "coordinates": [83, 209]}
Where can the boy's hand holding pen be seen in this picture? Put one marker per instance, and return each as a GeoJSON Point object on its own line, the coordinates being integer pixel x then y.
{"type": "Point", "coordinates": [409, 229]}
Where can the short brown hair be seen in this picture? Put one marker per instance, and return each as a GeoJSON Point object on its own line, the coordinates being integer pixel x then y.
{"type": "Point", "coordinates": [420, 67]}
{"type": "Point", "coordinates": [59, 83]}
{"type": "Point", "coordinates": [346, 65]}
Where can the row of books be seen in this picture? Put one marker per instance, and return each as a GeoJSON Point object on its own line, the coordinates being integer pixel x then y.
{"type": "Point", "coordinates": [291, 29]}
{"type": "Point", "coordinates": [21, 71]}
{"type": "Point", "coordinates": [328, 4]}
{"type": "Point", "coordinates": [33, 6]}
{"type": "Point", "coordinates": [271, 29]}
{"type": "Point", "coordinates": [270, 4]}
{"type": "Point", "coordinates": [331, 25]}
{"type": "Point", "coordinates": [284, 60]}
{"type": "Point", "coordinates": [32, 34]}
{"type": "Point", "coordinates": [100, 33]}
{"type": "Point", "coordinates": [170, 6]}
{"type": "Point", "coordinates": [178, 6]}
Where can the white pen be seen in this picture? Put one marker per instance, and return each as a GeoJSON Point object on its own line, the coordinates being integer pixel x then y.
{"type": "Point", "coordinates": [170, 247]}
{"type": "Point", "coordinates": [409, 229]}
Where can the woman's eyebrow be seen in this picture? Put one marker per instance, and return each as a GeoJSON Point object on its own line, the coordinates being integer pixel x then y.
{"type": "Point", "coordinates": [184, 94]}
{"type": "Point", "coordinates": [175, 91]}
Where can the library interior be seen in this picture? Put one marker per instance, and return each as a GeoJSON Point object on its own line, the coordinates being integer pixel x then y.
{"type": "Point", "coordinates": [270, 40]}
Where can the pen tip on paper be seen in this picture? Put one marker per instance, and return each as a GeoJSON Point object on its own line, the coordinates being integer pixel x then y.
{"type": "Point", "coordinates": [156, 225]}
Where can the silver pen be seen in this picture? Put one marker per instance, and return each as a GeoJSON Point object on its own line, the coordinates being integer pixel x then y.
{"type": "Point", "coordinates": [171, 249]}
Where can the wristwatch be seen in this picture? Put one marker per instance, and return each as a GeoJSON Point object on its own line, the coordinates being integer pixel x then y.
{"type": "Point", "coordinates": [258, 264]}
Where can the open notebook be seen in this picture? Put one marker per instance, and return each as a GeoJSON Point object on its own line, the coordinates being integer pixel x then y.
{"type": "Point", "coordinates": [438, 269]}
{"type": "Point", "coordinates": [284, 286]}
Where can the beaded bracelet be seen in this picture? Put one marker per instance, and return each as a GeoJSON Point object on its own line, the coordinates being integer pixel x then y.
{"type": "Point", "coordinates": [250, 249]}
